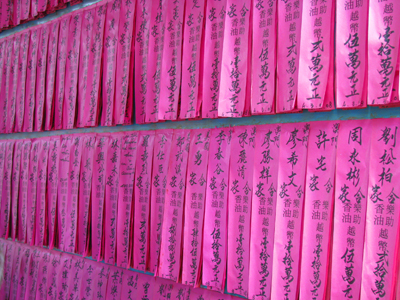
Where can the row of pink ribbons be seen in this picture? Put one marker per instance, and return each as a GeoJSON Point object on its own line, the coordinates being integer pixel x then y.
{"type": "Point", "coordinates": [36, 273]}
{"type": "Point", "coordinates": [164, 201]}
{"type": "Point", "coordinates": [16, 12]}
{"type": "Point", "coordinates": [188, 59]}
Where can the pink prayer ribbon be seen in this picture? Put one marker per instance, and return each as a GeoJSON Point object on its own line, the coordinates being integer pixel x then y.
{"type": "Point", "coordinates": [52, 276]}
{"type": "Point", "coordinates": [5, 84]}
{"type": "Point", "coordinates": [172, 60]}
{"type": "Point", "coordinates": [100, 278]}
{"type": "Point", "coordinates": [8, 268]}
{"type": "Point", "coordinates": [171, 232]}
{"type": "Point", "coordinates": [216, 210]}
{"type": "Point", "coordinates": [265, 184]}
{"type": "Point", "coordinates": [141, 218]}
{"type": "Point", "coordinates": [129, 143]}
{"type": "Point", "coordinates": [289, 210]}
{"type": "Point", "coordinates": [163, 289]}
{"type": "Point", "coordinates": [34, 8]}
{"type": "Point", "coordinates": [23, 190]}
{"type": "Point", "coordinates": [263, 57]}
{"type": "Point", "coordinates": [381, 248]}
{"type": "Point", "coordinates": [88, 280]}
{"type": "Point", "coordinates": [32, 273]}
{"type": "Point", "coordinates": [44, 268]}
{"type": "Point", "coordinates": [288, 50]}
{"type": "Point", "coordinates": [193, 30]}
{"type": "Point", "coordinates": [15, 178]}
{"type": "Point", "coordinates": [130, 284]}
{"type": "Point", "coordinates": [114, 285]}
{"type": "Point", "coordinates": [239, 209]}
{"type": "Point", "coordinates": [351, 190]}
{"type": "Point", "coordinates": [234, 59]}
{"type": "Point", "coordinates": [12, 93]}
{"type": "Point", "coordinates": [318, 210]}
{"type": "Point", "coordinates": [25, 9]}
{"type": "Point", "coordinates": [63, 276]}
{"type": "Point", "coordinates": [16, 18]}
{"type": "Point", "coordinates": [23, 273]}
{"type": "Point", "coordinates": [2, 165]}
{"type": "Point", "coordinates": [76, 276]}
{"type": "Point", "coordinates": [21, 81]}
{"type": "Point", "coordinates": [215, 15]}
{"type": "Point", "coordinates": [52, 187]}
{"type": "Point", "coordinates": [16, 268]}
{"type": "Point", "coordinates": [162, 150]}
{"type": "Point", "coordinates": [351, 53]}
{"type": "Point", "coordinates": [3, 61]}
{"type": "Point", "coordinates": [42, 5]}
{"type": "Point", "coordinates": [196, 185]}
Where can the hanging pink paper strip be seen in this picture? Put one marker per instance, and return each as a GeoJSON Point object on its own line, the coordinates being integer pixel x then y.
{"type": "Point", "coordinates": [52, 187]}
{"type": "Point", "coordinates": [144, 165]}
{"type": "Point", "coordinates": [25, 9]}
{"type": "Point", "coordinates": [162, 150]}
{"type": "Point", "coordinates": [130, 280]}
{"type": "Point", "coordinates": [51, 75]}
{"type": "Point", "coordinates": [216, 210]}
{"type": "Point", "coordinates": [3, 54]}
{"type": "Point", "coordinates": [34, 8]}
{"type": "Point", "coordinates": [181, 291]}
{"type": "Point", "coordinates": [63, 276]}
{"type": "Point", "coordinates": [171, 232]}
{"type": "Point", "coordinates": [32, 273]}
{"type": "Point", "coordinates": [12, 92]}
{"type": "Point", "coordinates": [289, 33]}
{"type": "Point", "coordinates": [98, 193]}
{"type": "Point", "coordinates": [144, 9]}
{"type": "Point", "coordinates": [315, 53]}
{"type": "Point", "coordinates": [40, 228]}
{"type": "Point", "coordinates": [16, 16]}
{"type": "Point", "coordinates": [212, 57]}
{"type": "Point", "coordinates": [239, 209]}
{"type": "Point", "coordinates": [351, 53]}
{"type": "Point", "coordinates": [196, 185]}
{"type": "Point", "coordinates": [32, 192]}
{"type": "Point", "coordinates": [16, 268]}
{"type": "Point", "coordinates": [264, 57]}
{"type": "Point", "coordinates": [156, 45]}
{"type": "Point", "coordinates": [95, 55]}
{"type": "Point", "coordinates": [21, 81]}
{"type": "Point", "coordinates": [234, 59]}
{"type": "Point", "coordinates": [193, 30]}
{"type": "Point", "coordinates": [111, 197]}
{"type": "Point", "coordinates": [351, 189]}
{"type": "Point", "coordinates": [100, 278]}
{"type": "Point", "coordinates": [52, 275]}
{"type": "Point", "coordinates": [31, 80]}
{"type": "Point", "coordinates": [380, 266]}
{"type": "Point", "coordinates": [15, 181]}
{"type": "Point", "coordinates": [5, 201]}
{"type": "Point", "coordinates": [23, 273]}
{"type": "Point", "coordinates": [171, 63]}
{"type": "Point", "coordinates": [61, 65]}
{"type": "Point", "coordinates": [85, 188]}
{"type": "Point", "coordinates": [41, 77]}
{"type": "Point", "coordinates": [8, 268]}
{"type": "Point", "coordinates": [125, 197]}
{"type": "Point", "coordinates": [289, 209]}
{"type": "Point", "coordinates": [87, 284]}
{"type": "Point", "coordinates": [23, 191]}
{"type": "Point", "coordinates": [5, 85]}
{"type": "Point", "coordinates": [2, 165]}
{"type": "Point", "coordinates": [265, 184]}
{"type": "Point", "coordinates": [125, 37]}
{"type": "Point", "coordinates": [383, 38]}
{"type": "Point", "coordinates": [109, 61]}
{"type": "Point", "coordinates": [76, 276]}
{"type": "Point", "coordinates": [318, 209]}
{"type": "Point", "coordinates": [114, 285]}
{"type": "Point", "coordinates": [42, 5]}
{"type": "Point", "coordinates": [44, 268]}
{"type": "Point", "coordinates": [163, 289]}
{"type": "Point", "coordinates": [71, 70]}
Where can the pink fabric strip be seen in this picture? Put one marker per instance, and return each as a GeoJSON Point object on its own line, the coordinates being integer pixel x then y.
{"type": "Point", "coordinates": [44, 268]}
{"type": "Point", "coordinates": [109, 61]}
{"type": "Point", "coordinates": [52, 275]}
{"type": "Point", "coordinates": [16, 16]}
{"type": "Point", "coordinates": [21, 81]}
{"type": "Point", "coordinates": [12, 92]}
{"type": "Point", "coordinates": [87, 284]}
{"type": "Point", "coordinates": [196, 185]}
{"type": "Point", "coordinates": [114, 285]}
{"type": "Point", "coordinates": [76, 276]}
{"type": "Point", "coordinates": [52, 187]}
{"type": "Point", "coordinates": [5, 84]}
{"type": "Point", "coordinates": [171, 232]}
{"type": "Point", "coordinates": [172, 60]}
{"type": "Point", "coordinates": [193, 30]}
{"type": "Point", "coordinates": [235, 59]}
{"type": "Point", "coordinates": [25, 9]}
{"type": "Point", "coordinates": [98, 193]}
{"type": "Point", "coordinates": [6, 191]}
{"type": "Point", "coordinates": [85, 188]}
{"type": "Point", "coordinates": [23, 190]}
{"type": "Point", "coordinates": [100, 278]}
{"type": "Point", "coordinates": [289, 33]}
{"type": "Point", "coordinates": [61, 64]}
{"type": "Point", "coordinates": [33, 272]}
{"type": "Point", "coordinates": [129, 289]}
{"type": "Point", "coordinates": [351, 190]}
{"type": "Point", "coordinates": [263, 57]}
{"type": "Point", "coordinates": [113, 163]}
{"type": "Point", "coordinates": [40, 227]}
{"type": "Point", "coordinates": [125, 36]}
{"type": "Point", "coordinates": [156, 46]}
{"type": "Point", "coordinates": [380, 261]}
{"type": "Point", "coordinates": [34, 8]}
{"type": "Point", "coordinates": [162, 150]}
{"type": "Point", "coordinates": [41, 77]}
{"type": "Point", "coordinates": [318, 210]}
{"type": "Point", "coordinates": [212, 56]}
{"type": "Point", "coordinates": [289, 210]}
{"type": "Point", "coordinates": [8, 268]}
{"type": "Point", "coordinates": [351, 49]}
{"type": "Point", "coordinates": [146, 287]}
{"type": "Point", "coordinates": [130, 105]}
{"type": "Point", "coordinates": [163, 289]}
{"type": "Point", "coordinates": [3, 54]}
{"type": "Point", "coordinates": [144, 165]}
{"type": "Point", "coordinates": [31, 80]}
{"type": "Point", "coordinates": [216, 210]}
{"type": "Point", "coordinates": [71, 70]}
{"type": "Point", "coordinates": [15, 182]}
{"type": "Point", "coordinates": [63, 276]}
{"type": "Point", "coordinates": [23, 274]}
{"type": "Point", "coordinates": [265, 184]}
{"type": "Point", "coordinates": [42, 5]}
{"type": "Point", "coordinates": [144, 9]}
{"type": "Point", "coordinates": [16, 270]}
{"type": "Point", "coordinates": [2, 165]}
{"type": "Point", "coordinates": [239, 209]}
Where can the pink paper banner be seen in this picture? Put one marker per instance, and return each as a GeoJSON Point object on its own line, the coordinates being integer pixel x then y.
{"type": "Point", "coordinates": [52, 187]}
{"type": "Point", "coordinates": [51, 276]}
{"type": "Point", "coordinates": [20, 100]}
{"type": "Point", "coordinates": [351, 190]}
{"type": "Point", "coordinates": [76, 276]}
{"type": "Point", "coordinates": [216, 210]}
{"type": "Point", "coordinates": [32, 273]}
{"type": "Point", "coordinates": [8, 268]}
{"type": "Point", "coordinates": [289, 210]}
{"type": "Point", "coordinates": [163, 289]}
{"type": "Point", "coordinates": [15, 181]}
{"type": "Point", "coordinates": [88, 279]}
{"type": "Point", "coordinates": [21, 280]}
{"type": "Point", "coordinates": [5, 84]}
{"type": "Point", "coordinates": [114, 285]}
{"type": "Point", "coordinates": [129, 289]}
{"type": "Point", "coordinates": [44, 269]}
{"type": "Point", "coordinates": [63, 276]}
{"type": "Point", "coordinates": [5, 202]}
{"type": "Point", "coordinates": [16, 268]}
{"type": "Point", "coordinates": [23, 190]}
{"type": "Point", "coordinates": [12, 92]}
